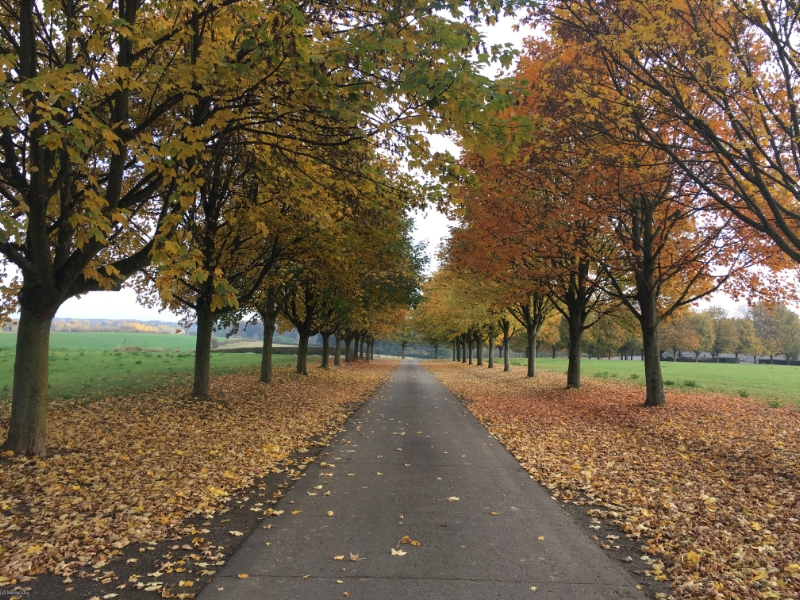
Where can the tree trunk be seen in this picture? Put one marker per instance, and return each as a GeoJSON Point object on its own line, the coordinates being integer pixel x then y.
{"type": "Point", "coordinates": [347, 348]}
{"type": "Point", "coordinates": [403, 350]}
{"type": "Point", "coordinates": [463, 350]}
{"type": "Point", "coordinates": [361, 347]}
{"type": "Point", "coordinates": [478, 350]}
{"type": "Point", "coordinates": [302, 353]}
{"type": "Point", "coordinates": [326, 348]}
{"type": "Point", "coordinates": [575, 325]}
{"type": "Point", "coordinates": [532, 352]}
{"type": "Point", "coordinates": [337, 356]}
{"type": "Point", "coordinates": [651, 351]}
{"type": "Point", "coordinates": [435, 351]}
{"type": "Point", "coordinates": [469, 341]}
{"type": "Point", "coordinates": [455, 350]}
{"type": "Point", "coordinates": [28, 424]}
{"type": "Point", "coordinates": [491, 349]}
{"type": "Point", "coordinates": [266, 352]}
{"type": "Point", "coordinates": [202, 354]}
{"type": "Point", "coordinates": [356, 341]}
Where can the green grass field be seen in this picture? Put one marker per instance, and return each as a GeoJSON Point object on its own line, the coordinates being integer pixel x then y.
{"type": "Point", "coordinates": [773, 382]}
{"type": "Point", "coordinates": [85, 365]}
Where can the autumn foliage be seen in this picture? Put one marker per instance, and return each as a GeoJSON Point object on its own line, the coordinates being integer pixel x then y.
{"type": "Point", "coordinates": [706, 484]}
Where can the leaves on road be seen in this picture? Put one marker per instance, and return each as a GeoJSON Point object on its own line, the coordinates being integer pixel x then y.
{"type": "Point", "coordinates": [707, 485]}
{"type": "Point", "coordinates": [398, 552]}
{"type": "Point", "coordinates": [130, 469]}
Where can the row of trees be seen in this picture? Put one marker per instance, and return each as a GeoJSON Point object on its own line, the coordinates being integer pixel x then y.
{"type": "Point", "coordinates": [227, 156]}
{"type": "Point", "coordinates": [664, 168]}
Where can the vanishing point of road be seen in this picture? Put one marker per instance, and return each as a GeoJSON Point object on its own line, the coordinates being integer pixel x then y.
{"type": "Point", "coordinates": [412, 461]}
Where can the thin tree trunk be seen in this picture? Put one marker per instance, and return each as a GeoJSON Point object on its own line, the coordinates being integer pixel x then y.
{"type": "Point", "coordinates": [491, 349]}
{"type": "Point", "coordinates": [463, 350]}
{"type": "Point", "coordinates": [506, 346]}
{"type": "Point", "coordinates": [435, 351]}
{"type": "Point", "coordinates": [654, 381]}
{"type": "Point", "coordinates": [469, 341]}
{"type": "Point", "coordinates": [302, 353]}
{"type": "Point", "coordinates": [337, 357]}
{"type": "Point", "coordinates": [575, 324]}
{"type": "Point", "coordinates": [356, 341]}
{"type": "Point", "coordinates": [266, 351]}
{"type": "Point", "coordinates": [202, 354]}
{"type": "Point", "coordinates": [532, 352]}
{"type": "Point", "coordinates": [455, 347]}
{"type": "Point", "coordinates": [403, 350]}
{"type": "Point", "coordinates": [28, 424]}
{"type": "Point", "coordinates": [479, 349]}
{"type": "Point", "coordinates": [347, 348]}
{"type": "Point", "coordinates": [326, 349]}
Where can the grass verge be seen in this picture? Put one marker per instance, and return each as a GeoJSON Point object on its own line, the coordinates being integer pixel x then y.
{"type": "Point", "coordinates": [707, 485]}
{"type": "Point", "coordinates": [771, 382]}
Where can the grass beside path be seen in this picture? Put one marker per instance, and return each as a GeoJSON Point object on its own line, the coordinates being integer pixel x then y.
{"type": "Point", "coordinates": [776, 383]}
{"type": "Point", "coordinates": [130, 469]}
{"type": "Point", "coordinates": [707, 485]}
{"type": "Point", "coordinates": [85, 366]}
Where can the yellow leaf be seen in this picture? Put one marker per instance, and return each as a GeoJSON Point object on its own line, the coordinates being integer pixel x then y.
{"type": "Point", "coordinates": [341, 557]}
{"type": "Point", "coordinates": [296, 512]}
{"type": "Point", "coordinates": [330, 513]}
{"type": "Point", "coordinates": [243, 575]}
{"type": "Point", "coordinates": [540, 538]}
{"type": "Point", "coordinates": [693, 557]}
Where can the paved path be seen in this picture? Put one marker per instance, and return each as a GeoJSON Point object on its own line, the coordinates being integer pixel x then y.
{"type": "Point", "coordinates": [404, 454]}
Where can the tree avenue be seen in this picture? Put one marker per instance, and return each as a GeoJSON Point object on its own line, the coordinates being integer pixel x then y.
{"type": "Point", "coordinates": [596, 212]}
{"type": "Point", "coordinates": [111, 113]}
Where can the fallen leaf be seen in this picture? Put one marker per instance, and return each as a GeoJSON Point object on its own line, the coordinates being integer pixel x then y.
{"type": "Point", "coordinates": [236, 533]}
{"type": "Point", "coordinates": [398, 552]}
{"type": "Point", "coordinates": [452, 498]}
{"type": "Point", "coordinates": [330, 513]}
{"type": "Point", "coordinates": [339, 557]}
{"type": "Point", "coordinates": [354, 557]}
{"type": "Point", "coordinates": [243, 576]}
{"type": "Point", "coordinates": [296, 512]}
{"type": "Point", "coordinates": [494, 514]}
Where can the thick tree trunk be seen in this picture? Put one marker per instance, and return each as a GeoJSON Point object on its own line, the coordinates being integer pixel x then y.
{"type": "Point", "coordinates": [403, 350]}
{"type": "Point", "coordinates": [356, 341]}
{"type": "Point", "coordinates": [202, 354]}
{"type": "Point", "coordinates": [575, 324]}
{"type": "Point", "coordinates": [435, 351]}
{"type": "Point", "coordinates": [463, 350]}
{"type": "Point", "coordinates": [491, 350]}
{"type": "Point", "coordinates": [28, 423]}
{"type": "Point", "coordinates": [532, 352]}
{"type": "Point", "coordinates": [469, 341]}
{"type": "Point", "coordinates": [326, 349]}
{"type": "Point", "coordinates": [479, 350]}
{"type": "Point", "coordinates": [361, 348]}
{"type": "Point", "coordinates": [347, 349]}
{"type": "Point", "coordinates": [337, 356]}
{"type": "Point", "coordinates": [302, 353]}
{"type": "Point", "coordinates": [266, 352]}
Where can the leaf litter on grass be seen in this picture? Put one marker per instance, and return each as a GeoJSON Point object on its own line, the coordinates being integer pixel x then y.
{"type": "Point", "coordinates": [708, 485]}
{"type": "Point", "coordinates": [130, 469]}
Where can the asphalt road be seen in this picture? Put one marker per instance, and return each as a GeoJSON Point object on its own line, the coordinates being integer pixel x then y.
{"type": "Point", "coordinates": [414, 462]}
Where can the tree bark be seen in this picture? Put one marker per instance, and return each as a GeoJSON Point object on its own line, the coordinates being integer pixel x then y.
{"type": "Point", "coordinates": [435, 351]}
{"type": "Point", "coordinates": [347, 348]}
{"type": "Point", "coordinates": [29, 402]}
{"type": "Point", "coordinates": [651, 351]}
{"type": "Point", "coordinates": [575, 324]}
{"type": "Point", "coordinates": [455, 346]}
{"type": "Point", "coordinates": [302, 353]}
{"type": "Point", "coordinates": [356, 341]}
{"type": "Point", "coordinates": [326, 348]}
{"type": "Point", "coordinates": [266, 351]}
{"type": "Point", "coordinates": [532, 352]}
{"type": "Point", "coordinates": [337, 356]}
{"type": "Point", "coordinates": [202, 354]}
{"type": "Point", "coordinates": [478, 349]}
{"type": "Point", "coordinates": [469, 342]}
{"type": "Point", "coordinates": [506, 327]}
{"type": "Point", "coordinates": [491, 349]}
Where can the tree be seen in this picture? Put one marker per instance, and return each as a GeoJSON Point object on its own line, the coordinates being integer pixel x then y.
{"type": "Point", "coordinates": [726, 335]}
{"type": "Point", "coordinates": [719, 80]}
{"type": "Point", "coordinates": [767, 328]}
{"type": "Point", "coordinates": [108, 107]}
{"type": "Point", "coordinates": [747, 341]}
